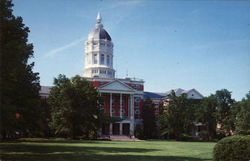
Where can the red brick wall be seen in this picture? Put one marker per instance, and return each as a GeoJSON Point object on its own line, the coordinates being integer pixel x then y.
{"type": "Point", "coordinates": [98, 84]}
{"type": "Point", "coordinates": [125, 98]}
{"type": "Point", "coordinates": [106, 105]}
{"type": "Point", "coordinates": [117, 104]}
{"type": "Point", "coordinates": [138, 87]}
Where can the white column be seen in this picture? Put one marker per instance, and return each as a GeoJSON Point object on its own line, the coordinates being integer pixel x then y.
{"type": "Point", "coordinates": [131, 106]}
{"type": "Point", "coordinates": [120, 128]}
{"type": "Point", "coordinates": [110, 105]}
{"type": "Point", "coordinates": [131, 115]}
{"type": "Point", "coordinates": [110, 129]}
{"type": "Point", "coordinates": [120, 105]}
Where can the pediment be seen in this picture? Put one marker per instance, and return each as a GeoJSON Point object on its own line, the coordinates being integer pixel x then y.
{"type": "Point", "coordinates": [194, 94]}
{"type": "Point", "coordinates": [116, 86]}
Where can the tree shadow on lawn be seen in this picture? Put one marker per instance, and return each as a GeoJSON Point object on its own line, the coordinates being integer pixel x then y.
{"type": "Point", "coordinates": [59, 140]}
{"type": "Point", "coordinates": [22, 152]}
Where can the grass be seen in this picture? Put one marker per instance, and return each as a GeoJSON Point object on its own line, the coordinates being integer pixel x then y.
{"type": "Point", "coordinates": [75, 150]}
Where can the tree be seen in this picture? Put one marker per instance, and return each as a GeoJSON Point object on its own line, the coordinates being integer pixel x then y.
{"type": "Point", "coordinates": [139, 131]}
{"type": "Point", "coordinates": [148, 116]}
{"type": "Point", "coordinates": [19, 84]}
{"type": "Point", "coordinates": [206, 113]}
{"type": "Point", "coordinates": [225, 111]}
{"type": "Point", "coordinates": [177, 117]}
{"type": "Point", "coordinates": [243, 116]}
{"type": "Point", "coordinates": [74, 107]}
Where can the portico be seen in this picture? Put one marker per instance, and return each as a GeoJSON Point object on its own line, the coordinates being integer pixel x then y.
{"type": "Point", "coordinates": [118, 102]}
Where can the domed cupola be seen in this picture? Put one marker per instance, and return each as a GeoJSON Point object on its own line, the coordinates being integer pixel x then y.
{"type": "Point", "coordinates": [99, 33]}
{"type": "Point", "coordinates": [99, 52]}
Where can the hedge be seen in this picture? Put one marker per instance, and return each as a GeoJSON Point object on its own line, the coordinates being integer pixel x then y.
{"type": "Point", "coordinates": [232, 148]}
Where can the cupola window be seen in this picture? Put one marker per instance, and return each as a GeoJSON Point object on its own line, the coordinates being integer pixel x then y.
{"type": "Point", "coordinates": [108, 60]}
{"type": "Point", "coordinates": [102, 71]}
{"type": "Point", "coordinates": [102, 58]}
{"type": "Point", "coordinates": [95, 59]}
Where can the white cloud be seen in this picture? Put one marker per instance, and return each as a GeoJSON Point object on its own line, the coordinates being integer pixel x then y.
{"type": "Point", "coordinates": [56, 51]}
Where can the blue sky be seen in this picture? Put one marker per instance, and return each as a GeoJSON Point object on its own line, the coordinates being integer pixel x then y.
{"type": "Point", "coordinates": [170, 44]}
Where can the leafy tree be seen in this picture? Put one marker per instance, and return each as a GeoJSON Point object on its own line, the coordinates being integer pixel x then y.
{"type": "Point", "coordinates": [177, 117]}
{"type": "Point", "coordinates": [243, 116]}
{"type": "Point", "coordinates": [149, 122]}
{"type": "Point", "coordinates": [139, 131]}
{"type": "Point", "coordinates": [225, 111]}
{"type": "Point", "coordinates": [74, 107]}
{"type": "Point", "coordinates": [206, 113]}
{"type": "Point", "coordinates": [44, 118]}
{"type": "Point", "coordinates": [19, 84]}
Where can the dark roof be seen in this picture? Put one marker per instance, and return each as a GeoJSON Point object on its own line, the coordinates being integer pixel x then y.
{"type": "Point", "coordinates": [153, 95]}
{"type": "Point", "coordinates": [100, 33]}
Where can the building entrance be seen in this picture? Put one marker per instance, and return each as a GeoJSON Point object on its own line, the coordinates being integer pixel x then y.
{"type": "Point", "coordinates": [125, 129]}
{"type": "Point", "coordinates": [116, 129]}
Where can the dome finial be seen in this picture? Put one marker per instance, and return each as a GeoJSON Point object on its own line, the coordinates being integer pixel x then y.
{"type": "Point", "coordinates": [98, 18]}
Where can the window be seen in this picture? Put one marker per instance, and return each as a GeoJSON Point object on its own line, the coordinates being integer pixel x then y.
{"type": "Point", "coordinates": [94, 71]}
{"type": "Point", "coordinates": [108, 60]}
{"type": "Point", "coordinates": [137, 99]}
{"type": "Point", "coordinates": [102, 58]}
{"type": "Point", "coordinates": [122, 112]}
{"type": "Point", "coordinates": [137, 111]}
{"type": "Point", "coordinates": [137, 102]}
{"type": "Point", "coordinates": [109, 73]}
{"type": "Point", "coordinates": [137, 114]}
{"type": "Point", "coordinates": [94, 58]}
{"type": "Point", "coordinates": [102, 71]}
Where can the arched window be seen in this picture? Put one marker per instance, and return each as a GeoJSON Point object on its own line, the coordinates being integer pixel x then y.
{"type": "Point", "coordinates": [94, 58]}
{"type": "Point", "coordinates": [102, 58]}
{"type": "Point", "coordinates": [108, 60]}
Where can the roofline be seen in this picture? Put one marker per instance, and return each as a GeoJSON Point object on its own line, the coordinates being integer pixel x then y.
{"type": "Point", "coordinates": [193, 89]}
{"type": "Point", "coordinates": [116, 80]}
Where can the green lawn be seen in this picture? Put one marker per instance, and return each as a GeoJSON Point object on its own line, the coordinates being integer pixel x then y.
{"type": "Point", "coordinates": [64, 150]}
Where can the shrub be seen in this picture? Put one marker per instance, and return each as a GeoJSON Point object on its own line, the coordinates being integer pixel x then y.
{"type": "Point", "coordinates": [233, 148]}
